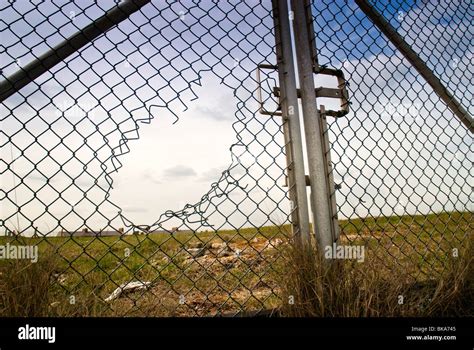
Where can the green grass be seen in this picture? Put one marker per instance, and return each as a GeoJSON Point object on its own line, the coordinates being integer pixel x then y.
{"type": "Point", "coordinates": [90, 268]}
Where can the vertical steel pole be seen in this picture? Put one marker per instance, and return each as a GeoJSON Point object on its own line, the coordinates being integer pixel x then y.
{"type": "Point", "coordinates": [322, 219]}
{"type": "Point", "coordinates": [291, 121]}
{"type": "Point", "coordinates": [323, 125]}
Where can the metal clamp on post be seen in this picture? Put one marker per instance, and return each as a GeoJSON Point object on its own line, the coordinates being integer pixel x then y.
{"type": "Point", "coordinates": [340, 93]}
{"type": "Point", "coordinates": [262, 109]}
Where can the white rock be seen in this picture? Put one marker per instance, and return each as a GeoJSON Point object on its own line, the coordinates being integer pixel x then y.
{"type": "Point", "coordinates": [216, 245]}
{"type": "Point", "coordinates": [275, 242]}
{"type": "Point", "coordinates": [128, 287]}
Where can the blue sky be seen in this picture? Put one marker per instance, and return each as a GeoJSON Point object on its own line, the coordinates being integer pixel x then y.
{"type": "Point", "coordinates": [181, 77]}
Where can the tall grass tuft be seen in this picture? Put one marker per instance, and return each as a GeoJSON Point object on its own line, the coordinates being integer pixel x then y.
{"type": "Point", "coordinates": [314, 287]}
{"type": "Point", "coordinates": [25, 286]}
{"type": "Point", "coordinates": [30, 289]}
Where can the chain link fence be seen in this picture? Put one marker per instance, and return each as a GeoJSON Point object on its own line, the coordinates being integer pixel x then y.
{"type": "Point", "coordinates": [401, 160]}
{"type": "Point", "coordinates": [401, 154]}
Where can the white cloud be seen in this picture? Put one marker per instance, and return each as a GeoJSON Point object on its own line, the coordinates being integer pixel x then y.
{"type": "Point", "coordinates": [179, 171]}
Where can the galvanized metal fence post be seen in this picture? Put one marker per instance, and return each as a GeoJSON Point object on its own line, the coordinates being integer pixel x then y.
{"type": "Point", "coordinates": [322, 218]}
{"type": "Point", "coordinates": [291, 122]}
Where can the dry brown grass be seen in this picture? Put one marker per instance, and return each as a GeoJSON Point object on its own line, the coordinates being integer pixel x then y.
{"type": "Point", "coordinates": [312, 287]}
{"type": "Point", "coordinates": [25, 287]}
{"type": "Point", "coordinates": [263, 277]}
{"type": "Point", "coordinates": [340, 289]}
{"type": "Point", "coordinates": [30, 289]}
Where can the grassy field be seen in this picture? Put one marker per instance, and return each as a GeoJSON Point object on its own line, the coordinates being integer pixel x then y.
{"type": "Point", "coordinates": [211, 272]}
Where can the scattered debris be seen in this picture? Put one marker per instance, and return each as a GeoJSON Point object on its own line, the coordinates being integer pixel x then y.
{"type": "Point", "coordinates": [223, 254]}
{"type": "Point", "coordinates": [54, 304]}
{"type": "Point", "coordinates": [128, 287]}
{"type": "Point", "coordinates": [196, 245]}
{"type": "Point", "coordinates": [275, 242]}
{"type": "Point", "coordinates": [61, 278]}
{"type": "Point", "coordinates": [196, 252]}
{"type": "Point", "coordinates": [221, 249]}
{"type": "Point", "coordinates": [228, 261]}
{"type": "Point", "coordinates": [217, 245]}
{"type": "Point", "coordinates": [165, 260]}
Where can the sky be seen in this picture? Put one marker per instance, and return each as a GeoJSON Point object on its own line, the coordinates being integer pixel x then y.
{"type": "Point", "coordinates": [171, 94]}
